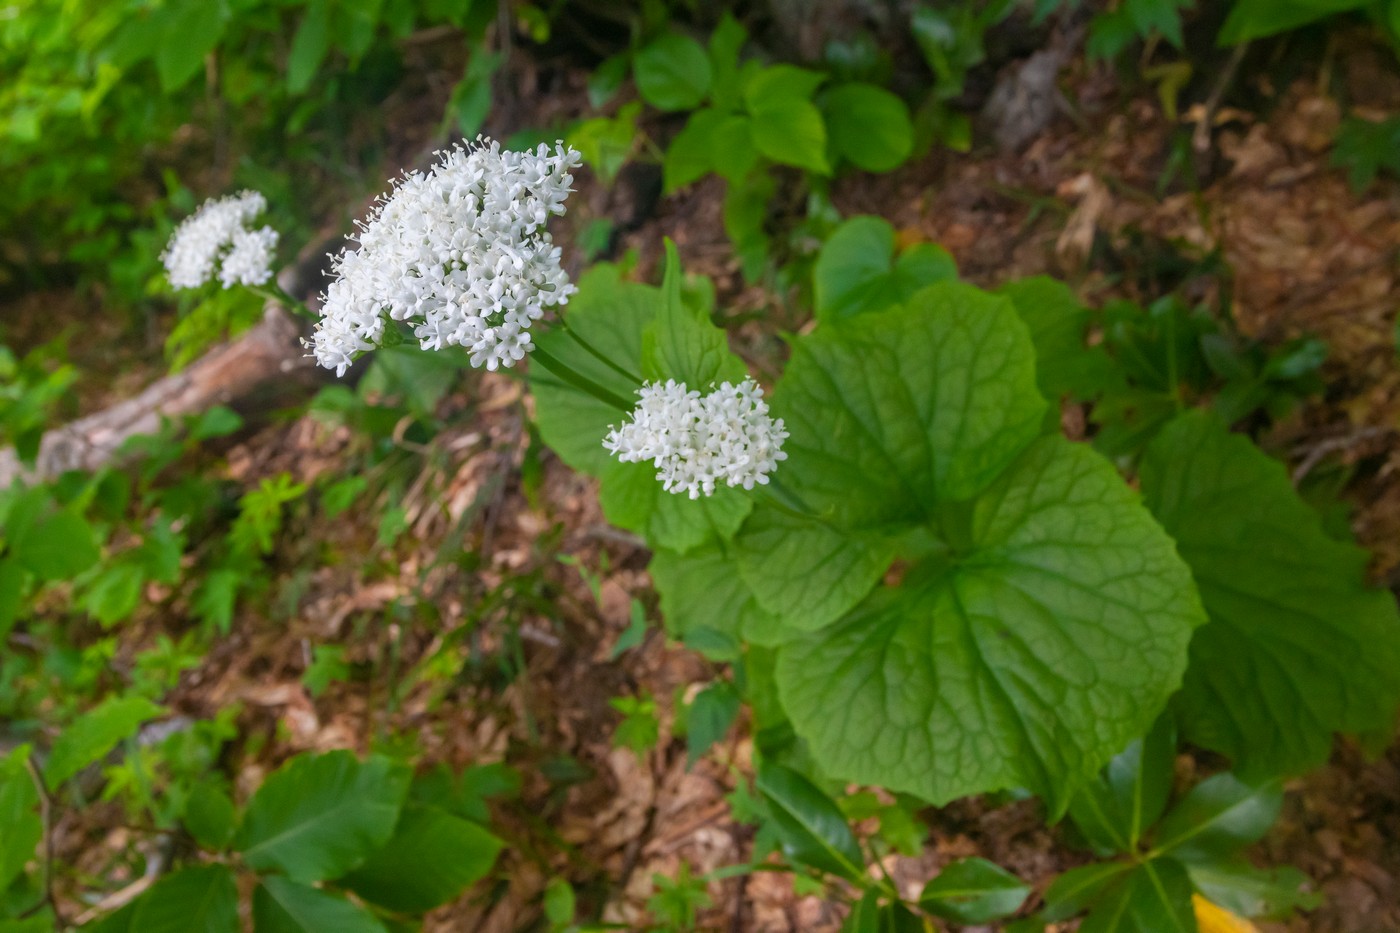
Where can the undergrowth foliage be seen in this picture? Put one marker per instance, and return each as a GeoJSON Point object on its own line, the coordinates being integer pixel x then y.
{"type": "Point", "coordinates": [917, 585]}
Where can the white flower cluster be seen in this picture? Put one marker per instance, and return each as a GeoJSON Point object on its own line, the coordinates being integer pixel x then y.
{"type": "Point", "coordinates": [218, 234]}
{"type": "Point", "coordinates": [460, 253]}
{"type": "Point", "coordinates": [697, 440]}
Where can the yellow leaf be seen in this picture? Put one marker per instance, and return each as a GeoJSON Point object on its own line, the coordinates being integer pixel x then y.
{"type": "Point", "coordinates": [1213, 919]}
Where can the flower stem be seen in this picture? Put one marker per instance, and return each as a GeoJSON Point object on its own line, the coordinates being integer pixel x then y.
{"type": "Point", "coordinates": [596, 353]}
{"type": "Point", "coordinates": [580, 381]}
{"type": "Point", "coordinates": [275, 293]}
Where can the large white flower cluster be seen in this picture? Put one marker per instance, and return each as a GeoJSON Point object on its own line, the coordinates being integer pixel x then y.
{"type": "Point", "coordinates": [697, 440]}
{"type": "Point", "coordinates": [218, 234]}
{"type": "Point", "coordinates": [460, 253]}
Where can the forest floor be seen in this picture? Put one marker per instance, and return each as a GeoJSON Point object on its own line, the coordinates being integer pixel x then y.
{"type": "Point", "coordinates": [528, 638]}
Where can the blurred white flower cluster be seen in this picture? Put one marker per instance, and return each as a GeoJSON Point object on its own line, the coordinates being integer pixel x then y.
{"type": "Point", "coordinates": [697, 440]}
{"type": "Point", "coordinates": [218, 234]}
{"type": "Point", "coordinates": [460, 253]}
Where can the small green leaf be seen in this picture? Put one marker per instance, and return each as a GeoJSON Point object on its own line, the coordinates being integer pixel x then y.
{"type": "Point", "coordinates": [1218, 817]}
{"type": "Point", "coordinates": [215, 597]}
{"type": "Point", "coordinates": [1255, 19]}
{"type": "Point", "coordinates": [19, 816]}
{"type": "Point", "coordinates": [711, 715]}
{"type": "Point", "coordinates": [281, 905]}
{"type": "Point", "coordinates": [432, 857]}
{"type": "Point", "coordinates": [973, 890]}
{"type": "Point", "coordinates": [210, 816]}
{"type": "Point", "coordinates": [810, 825]}
{"type": "Point", "coordinates": [192, 32]}
{"type": "Point", "coordinates": [202, 899]}
{"type": "Point", "coordinates": [673, 73]}
{"type": "Point", "coordinates": [703, 589]}
{"type": "Point", "coordinates": [318, 816]}
{"type": "Point", "coordinates": [856, 269]}
{"type": "Point", "coordinates": [13, 579]}
{"type": "Point", "coordinates": [690, 154]}
{"type": "Point", "coordinates": [559, 906]}
{"type": "Point", "coordinates": [868, 126]}
{"type": "Point", "coordinates": [114, 593]}
{"type": "Point", "coordinates": [1154, 898]}
{"type": "Point", "coordinates": [790, 131]}
{"type": "Point", "coordinates": [57, 547]}
{"type": "Point", "coordinates": [1059, 326]}
{"type": "Point", "coordinates": [95, 733]}
{"type": "Point", "coordinates": [1239, 887]}
{"type": "Point", "coordinates": [683, 344]}
{"type": "Point", "coordinates": [1114, 809]}
{"type": "Point", "coordinates": [773, 86]}
{"type": "Point", "coordinates": [1075, 890]}
{"type": "Point", "coordinates": [309, 46]}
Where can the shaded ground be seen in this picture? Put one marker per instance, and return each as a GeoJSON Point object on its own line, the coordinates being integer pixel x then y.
{"type": "Point", "coordinates": [508, 655]}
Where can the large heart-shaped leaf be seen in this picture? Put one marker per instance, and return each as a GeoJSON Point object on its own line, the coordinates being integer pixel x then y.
{"type": "Point", "coordinates": [892, 414]}
{"type": "Point", "coordinates": [1027, 657]}
{"type": "Point", "coordinates": [1299, 646]}
{"type": "Point", "coordinates": [319, 816]}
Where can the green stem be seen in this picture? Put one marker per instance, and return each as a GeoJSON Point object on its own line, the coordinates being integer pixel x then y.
{"type": "Point", "coordinates": [579, 381]}
{"type": "Point", "coordinates": [275, 293]}
{"type": "Point", "coordinates": [597, 354]}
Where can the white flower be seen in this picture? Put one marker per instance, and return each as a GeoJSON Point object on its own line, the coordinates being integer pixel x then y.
{"type": "Point", "coordinates": [218, 234]}
{"type": "Point", "coordinates": [697, 440]}
{"type": "Point", "coordinates": [459, 253]}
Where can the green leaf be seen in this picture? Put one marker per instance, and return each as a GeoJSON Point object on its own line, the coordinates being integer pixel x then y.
{"type": "Point", "coordinates": [633, 498]}
{"type": "Point", "coordinates": [775, 85]}
{"type": "Point", "coordinates": [43, 922]}
{"type": "Point", "coordinates": [1299, 646]}
{"type": "Point", "coordinates": [203, 899]}
{"type": "Point", "coordinates": [704, 590]}
{"type": "Point", "coordinates": [1073, 891]}
{"type": "Point", "coordinates": [19, 816]}
{"type": "Point", "coordinates": [209, 816]}
{"type": "Point", "coordinates": [215, 598]}
{"type": "Point", "coordinates": [192, 32]}
{"type": "Point", "coordinates": [812, 829]}
{"type": "Point", "coordinates": [13, 579]}
{"type": "Point", "coordinates": [309, 46]}
{"type": "Point", "coordinates": [711, 714]}
{"type": "Point", "coordinates": [1255, 19]}
{"type": "Point", "coordinates": [1220, 816]}
{"type": "Point", "coordinates": [973, 890]}
{"type": "Point", "coordinates": [856, 269]}
{"type": "Point", "coordinates": [897, 412]}
{"type": "Point", "coordinates": [1114, 809]}
{"type": "Point", "coordinates": [673, 73]}
{"type": "Point", "coordinates": [682, 344]}
{"type": "Point", "coordinates": [868, 126]}
{"type": "Point", "coordinates": [690, 155]}
{"type": "Point", "coordinates": [318, 816]}
{"type": "Point", "coordinates": [1059, 324]}
{"type": "Point", "coordinates": [1240, 888]}
{"type": "Point", "coordinates": [432, 857]}
{"type": "Point", "coordinates": [805, 573]}
{"type": "Point", "coordinates": [610, 315]}
{"type": "Point", "coordinates": [95, 733]}
{"type": "Point", "coordinates": [1052, 634]}
{"type": "Point", "coordinates": [790, 131]}
{"type": "Point", "coordinates": [114, 593]}
{"type": "Point", "coordinates": [57, 547]}
{"type": "Point", "coordinates": [1154, 898]}
{"type": "Point", "coordinates": [559, 902]}
{"type": "Point", "coordinates": [281, 905]}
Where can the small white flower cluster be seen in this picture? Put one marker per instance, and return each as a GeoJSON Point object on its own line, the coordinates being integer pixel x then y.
{"type": "Point", "coordinates": [460, 253]}
{"type": "Point", "coordinates": [697, 440]}
{"type": "Point", "coordinates": [218, 234]}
